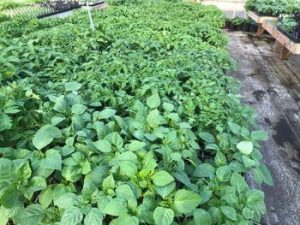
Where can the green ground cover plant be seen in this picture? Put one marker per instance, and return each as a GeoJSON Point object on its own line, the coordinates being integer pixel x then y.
{"type": "Point", "coordinates": [136, 123]}
{"type": "Point", "coordinates": [273, 7]}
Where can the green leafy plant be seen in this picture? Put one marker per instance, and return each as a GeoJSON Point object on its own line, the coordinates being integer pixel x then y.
{"type": "Point", "coordinates": [288, 23]}
{"type": "Point", "coordinates": [273, 7]}
{"type": "Point", "coordinates": [135, 123]}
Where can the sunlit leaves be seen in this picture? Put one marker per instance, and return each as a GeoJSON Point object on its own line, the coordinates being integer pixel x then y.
{"type": "Point", "coordinates": [162, 178]}
{"type": "Point", "coordinates": [163, 216]}
{"type": "Point", "coordinates": [186, 201]}
{"type": "Point", "coordinates": [139, 117]}
{"type": "Point", "coordinates": [71, 216]}
{"type": "Point", "coordinates": [153, 101]}
{"type": "Point", "coordinates": [245, 147]}
{"type": "Point", "coordinates": [45, 135]}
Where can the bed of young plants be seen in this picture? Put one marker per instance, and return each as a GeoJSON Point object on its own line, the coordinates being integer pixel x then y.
{"type": "Point", "coordinates": [290, 26]}
{"type": "Point", "coordinates": [273, 7]}
{"type": "Point", "coordinates": [135, 123]}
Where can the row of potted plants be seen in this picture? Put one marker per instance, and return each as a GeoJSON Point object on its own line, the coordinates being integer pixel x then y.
{"type": "Point", "coordinates": [287, 11]}
{"type": "Point", "coordinates": [42, 8]}
{"type": "Point", "coordinates": [239, 23]}
{"type": "Point", "coordinates": [290, 26]}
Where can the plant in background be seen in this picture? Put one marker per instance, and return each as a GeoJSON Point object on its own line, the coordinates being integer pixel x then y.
{"type": "Point", "coordinates": [273, 7]}
{"type": "Point", "coordinates": [288, 23]}
{"type": "Point", "coordinates": [135, 123]}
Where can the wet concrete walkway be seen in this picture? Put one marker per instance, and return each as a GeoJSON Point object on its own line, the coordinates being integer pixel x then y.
{"type": "Point", "coordinates": [272, 87]}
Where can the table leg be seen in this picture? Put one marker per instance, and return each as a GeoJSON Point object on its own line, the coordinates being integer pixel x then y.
{"type": "Point", "coordinates": [260, 30]}
{"type": "Point", "coordinates": [284, 53]}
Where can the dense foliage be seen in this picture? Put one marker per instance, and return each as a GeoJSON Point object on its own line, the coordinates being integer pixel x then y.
{"type": "Point", "coordinates": [135, 123]}
{"type": "Point", "coordinates": [273, 7]}
{"type": "Point", "coordinates": [290, 25]}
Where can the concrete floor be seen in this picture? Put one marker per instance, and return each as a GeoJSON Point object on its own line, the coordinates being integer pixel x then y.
{"type": "Point", "coordinates": [272, 87]}
{"type": "Point", "coordinates": [231, 8]}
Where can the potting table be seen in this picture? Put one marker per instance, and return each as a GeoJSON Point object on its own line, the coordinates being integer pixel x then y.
{"type": "Point", "coordinates": [259, 20]}
{"type": "Point", "coordinates": [283, 45]}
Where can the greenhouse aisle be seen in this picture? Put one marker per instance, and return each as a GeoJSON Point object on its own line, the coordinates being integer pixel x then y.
{"type": "Point", "coordinates": [272, 87]}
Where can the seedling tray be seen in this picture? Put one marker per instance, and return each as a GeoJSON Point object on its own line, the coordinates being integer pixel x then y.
{"type": "Point", "coordinates": [289, 35]}
{"type": "Point", "coordinates": [58, 12]}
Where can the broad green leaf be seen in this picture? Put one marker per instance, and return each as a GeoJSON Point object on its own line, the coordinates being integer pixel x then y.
{"type": "Point", "coordinates": [202, 217]}
{"type": "Point", "coordinates": [115, 207]}
{"type": "Point", "coordinates": [223, 173]}
{"type": "Point", "coordinates": [33, 214]}
{"type": "Point", "coordinates": [5, 122]}
{"type": "Point", "coordinates": [162, 178]}
{"type": "Point", "coordinates": [72, 86]}
{"type": "Point", "coordinates": [103, 146]}
{"type": "Point", "coordinates": [153, 101]}
{"type": "Point", "coordinates": [164, 191]}
{"type": "Point", "coordinates": [204, 170]}
{"type": "Point", "coordinates": [163, 216]}
{"type": "Point", "coordinates": [66, 200]}
{"type": "Point", "coordinates": [35, 184]}
{"type": "Point", "coordinates": [3, 216]}
{"type": "Point", "coordinates": [106, 113]}
{"type": "Point", "coordinates": [248, 162]}
{"type": "Point", "coordinates": [186, 201]}
{"type": "Point", "coordinates": [55, 120]}
{"type": "Point", "coordinates": [125, 191]}
{"type": "Point", "coordinates": [262, 174]}
{"type": "Point", "coordinates": [125, 219]}
{"type": "Point", "coordinates": [115, 139]}
{"type": "Point", "coordinates": [86, 167]}
{"type": "Point", "coordinates": [71, 216]}
{"type": "Point", "coordinates": [46, 196]}
{"type": "Point", "coordinates": [127, 168]}
{"type": "Point", "coordinates": [94, 217]}
{"type": "Point", "coordinates": [7, 170]}
{"type": "Point", "coordinates": [248, 213]}
{"type": "Point", "coordinates": [78, 109]}
{"type": "Point", "coordinates": [207, 137]}
{"type": "Point", "coordinates": [259, 135]}
{"type": "Point", "coordinates": [135, 145]}
{"type": "Point", "coordinates": [168, 107]}
{"type": "Point", "coordinates": [71, 173]}
{"type": "Point", "coordinates": [220, 159]}
{"type": "Point", "coordinates": [9, 196]}
{"type": "Point", "coordinates": [238, 182]}
{"type": "Point", "coordinates": [255, 201]}
{"type": "Point", "coordinates": [108, 183]}
{"type": "Point", "coordinates": [234, 128]}
{"type": "Point", "coordinates": [245, 147]}
{"type": "Point", "coordinates": [216, 214]}
{"type": "Point", "coordinates": [45, 135]}
{"type": "Point", "coordinates": [205, 194]}
{"type": "Point", "coordinates": [229, 212]}
{"type": "Point", "coordinates": [153, 118]}
{"type": "Point", "coordinates": [53, 160]}
{"type": "Point", "coordinates": [61, 104]}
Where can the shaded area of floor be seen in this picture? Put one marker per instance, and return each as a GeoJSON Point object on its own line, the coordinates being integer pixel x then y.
{"type": "Point", "coordinates": [272, 87]}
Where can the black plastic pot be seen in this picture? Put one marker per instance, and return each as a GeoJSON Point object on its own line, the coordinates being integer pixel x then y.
{"type": "Point", "coordinates": [289, 35]}
{"type": "Point", "coordinates": [231, 27]}
{"type": "Point", "coordinates": [297, 16]}
{"type": "Point", "coordinates": [246, 27]}
{"type": "Point", "coordinates": [253, 28]}
{"type": "Point", "coordinates": [238, 27]}
{"type": "Point", "coordinates": [227, 24]}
